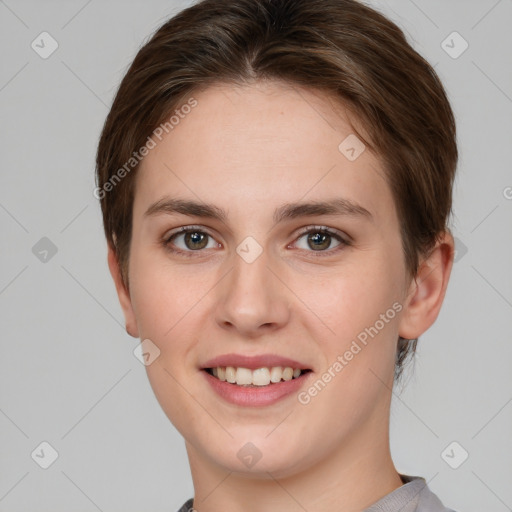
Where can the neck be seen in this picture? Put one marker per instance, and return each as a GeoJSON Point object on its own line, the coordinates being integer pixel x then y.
{"type": "Point", "coordinates": [350, 478]}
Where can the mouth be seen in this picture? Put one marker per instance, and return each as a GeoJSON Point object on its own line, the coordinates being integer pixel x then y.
{"type": "Point", "coordinates": [259, 377]}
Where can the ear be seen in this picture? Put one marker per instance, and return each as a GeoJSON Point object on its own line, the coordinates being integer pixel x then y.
{"type": "Point", "coordinates": [427, 289]}
{"type": "Point", "coordinates": [122, 293]}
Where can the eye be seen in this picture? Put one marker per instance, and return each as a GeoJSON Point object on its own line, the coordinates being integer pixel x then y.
{"type": "Point", "coordinates": [320, 239]}
{"type": "Point", "coordinates": [189, 239]}
{"type": "Point", "coordinates": [192, 239]}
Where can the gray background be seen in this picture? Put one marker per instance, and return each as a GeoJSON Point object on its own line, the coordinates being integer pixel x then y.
{"type": "Point", "coordinates": [68, 375]}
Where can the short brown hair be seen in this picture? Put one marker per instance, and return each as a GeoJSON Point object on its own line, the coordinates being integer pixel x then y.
{"type": "Point", "coordinates": [341, 47]}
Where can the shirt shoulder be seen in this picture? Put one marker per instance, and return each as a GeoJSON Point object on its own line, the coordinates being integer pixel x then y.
{"type": "Point", "coordinates": [413, 496]}
{"type": "Point", "coordinates": [188, 506]}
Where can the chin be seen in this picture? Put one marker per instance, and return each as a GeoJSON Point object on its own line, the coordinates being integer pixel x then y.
{"type": "Point", "coordinates": [255, 456]}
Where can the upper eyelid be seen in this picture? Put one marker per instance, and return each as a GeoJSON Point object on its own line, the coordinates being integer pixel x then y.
{"type": "Point", "coordinates": [184, 229]}
{"type": "Point", "coordinates": [317, 227]}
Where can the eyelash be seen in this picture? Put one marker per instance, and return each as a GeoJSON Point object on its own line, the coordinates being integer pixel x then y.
{"type": "Point", "coordinates": [343, 242]}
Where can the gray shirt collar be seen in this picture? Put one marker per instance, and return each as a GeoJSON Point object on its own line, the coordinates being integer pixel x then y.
{"type": "Point", "coordinates": [413, 496]}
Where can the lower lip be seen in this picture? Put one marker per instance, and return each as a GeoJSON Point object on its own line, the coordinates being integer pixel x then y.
{"type": "Point", "coordinates": [255, 396]}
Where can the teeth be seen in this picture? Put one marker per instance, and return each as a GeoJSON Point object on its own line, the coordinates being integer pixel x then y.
{"type": "Point", "coordinates": [258, 377]}
{"type": "Point", "coordinates": [288, 373]}
{"type": "Point", "coordinates": [243, 376]}
{"type": "Point", "coordinates": [276, 373]}
{"type": "Point", "coordinates": [230, 374]}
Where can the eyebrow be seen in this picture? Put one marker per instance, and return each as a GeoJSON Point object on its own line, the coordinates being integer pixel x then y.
{"type": "Point", "coordinates": [338, 206]}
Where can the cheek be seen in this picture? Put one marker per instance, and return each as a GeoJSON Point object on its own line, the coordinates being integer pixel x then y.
{"type": "Point", "coordinates": [356, 319]}
{"type": "Point", "coordinates": [163, 299]}
{"type": "Point", "coordinates": [161, 295]}
{"type": "Point", "coordinates": [346, 302]}
{"type": "Point", "coordinates": [361, 312]}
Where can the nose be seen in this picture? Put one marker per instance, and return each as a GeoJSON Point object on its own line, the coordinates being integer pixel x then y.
{"type": "Point", "coordinates": [252, 300]}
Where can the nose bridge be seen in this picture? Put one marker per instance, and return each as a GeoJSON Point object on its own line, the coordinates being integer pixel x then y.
{"type": "Point", "coordinates": [252, 298]}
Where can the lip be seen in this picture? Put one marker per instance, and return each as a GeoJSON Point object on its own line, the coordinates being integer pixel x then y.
{"type": "Point", "coordinates": [253, 362]}
{"type": "Point", "coordinates": [256, 396]}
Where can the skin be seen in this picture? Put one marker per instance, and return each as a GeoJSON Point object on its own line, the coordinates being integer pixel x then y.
{"type": "Point", "coordinates": [249, 150]}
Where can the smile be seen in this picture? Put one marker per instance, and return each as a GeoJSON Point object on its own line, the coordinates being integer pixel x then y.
{"type": "Point", "coordinates": [254, 378]}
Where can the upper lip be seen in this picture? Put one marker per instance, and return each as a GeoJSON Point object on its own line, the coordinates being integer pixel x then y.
{"type": "Point", "coordinates": [253, 362]}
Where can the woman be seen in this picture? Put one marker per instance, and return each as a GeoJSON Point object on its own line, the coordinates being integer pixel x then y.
{"type": "Point", "coordinates": [275, 179]}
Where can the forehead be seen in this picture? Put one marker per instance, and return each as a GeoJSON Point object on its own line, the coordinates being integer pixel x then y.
{"type": "Point", "coordinates": [266, 142]}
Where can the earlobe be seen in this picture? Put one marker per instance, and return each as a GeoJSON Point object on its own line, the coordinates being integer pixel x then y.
{"type": "Point", "coordinates": [427, 290]}
{"type": "Point", "coordinates": [122, 293]}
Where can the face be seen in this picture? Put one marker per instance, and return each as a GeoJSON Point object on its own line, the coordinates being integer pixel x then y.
{"type": "Point", "coordinates": [293, 258]}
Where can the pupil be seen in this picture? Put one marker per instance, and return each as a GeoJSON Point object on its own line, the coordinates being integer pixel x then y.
{"type": "Point", "coordinates": [196, 240]}
{"type": "Point", "coordinates": [321, 238]}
